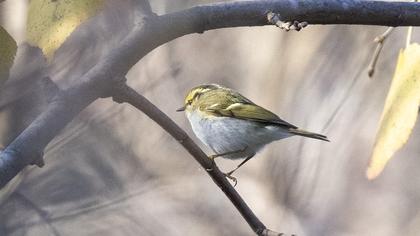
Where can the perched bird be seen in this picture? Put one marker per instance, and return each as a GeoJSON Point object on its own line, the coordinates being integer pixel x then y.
{"type": "Point", "coordinates": [232, 125]}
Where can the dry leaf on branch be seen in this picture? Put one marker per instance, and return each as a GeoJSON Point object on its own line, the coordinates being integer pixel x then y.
{"type": "Point", "coordinates": [400, 112]}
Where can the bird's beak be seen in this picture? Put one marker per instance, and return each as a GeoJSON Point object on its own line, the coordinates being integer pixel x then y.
{"type": "Point", "coordinates": [181, 109]}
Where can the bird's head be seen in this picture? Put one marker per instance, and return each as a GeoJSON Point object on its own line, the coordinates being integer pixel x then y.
{"type": "Point", "coordinates": [193, 97]}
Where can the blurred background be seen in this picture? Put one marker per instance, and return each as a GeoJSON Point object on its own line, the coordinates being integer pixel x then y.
{"type": "Point", "coordinates": [113, 171]}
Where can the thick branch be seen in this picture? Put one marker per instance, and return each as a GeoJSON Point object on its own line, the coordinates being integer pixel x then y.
{"type": "Point", "coordinates": [254, 13]}
{"type": "Point", "coordinates": [123, 93]}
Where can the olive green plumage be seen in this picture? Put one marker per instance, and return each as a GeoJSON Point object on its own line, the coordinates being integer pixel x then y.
{"type": "Point", "coordinates": [215, 100]}
{"type": "Point", "coordinates": [229, 103]}
{"type": "Point", "coordinates": [232, 125]}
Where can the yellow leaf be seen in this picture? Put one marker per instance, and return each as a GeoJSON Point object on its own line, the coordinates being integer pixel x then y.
{"type": "Point", "coordinates": [400, 111]}
{"type": "Point", "coordinates": [50, 22]}
{"type": "Point", "coordinates": [8, 49]}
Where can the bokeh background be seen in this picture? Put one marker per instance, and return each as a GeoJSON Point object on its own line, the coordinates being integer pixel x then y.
{"type": "Point", "coordinates": [113, 171]}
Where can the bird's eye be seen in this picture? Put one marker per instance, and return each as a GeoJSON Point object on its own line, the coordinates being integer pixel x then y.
{"type": "Point", "coordinates": [189, 102]}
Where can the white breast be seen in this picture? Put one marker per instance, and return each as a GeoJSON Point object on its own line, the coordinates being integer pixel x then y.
{"type": "Point", "coordinates": [225, 134]}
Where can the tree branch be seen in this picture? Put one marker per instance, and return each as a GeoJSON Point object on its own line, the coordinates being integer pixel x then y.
{"type": "Point", "coordinates": [379, 40]}
{"type": "Point", "coordinates": [254, 13]}
{"type": "Point", "coordinates": [155, 30]}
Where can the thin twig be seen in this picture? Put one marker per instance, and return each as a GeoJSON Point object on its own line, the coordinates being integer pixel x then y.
{"type": "Point", "coordinates": [43, 215]}
{"type": "Point", "coordinates": [380, 43]}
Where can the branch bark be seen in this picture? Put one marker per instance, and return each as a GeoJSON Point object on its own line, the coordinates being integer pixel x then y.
{"type": "Point", "coordinates": [154, 31]}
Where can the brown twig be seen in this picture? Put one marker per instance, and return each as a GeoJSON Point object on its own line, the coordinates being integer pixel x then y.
{"type": "Point", "coordinates": [379, 40]}
{"type": "Point", "coordinates": [124, 93]}
{"type": "Point", "coordinates": [380, 43]}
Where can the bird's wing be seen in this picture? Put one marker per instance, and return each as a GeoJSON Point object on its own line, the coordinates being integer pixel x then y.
{"type": "Point", "coordinates": [254, 113]}
{"type": "Point", "coordinates": [241, 107]}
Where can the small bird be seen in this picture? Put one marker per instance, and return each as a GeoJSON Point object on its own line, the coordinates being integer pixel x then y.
{"type": "Point", "coordinates": [232, 125]}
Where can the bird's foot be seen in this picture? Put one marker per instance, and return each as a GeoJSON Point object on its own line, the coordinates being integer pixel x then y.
{"type": "Point", "coordinates": [229, 176]}
{"type": "Point", "coordinates": [274, 19]}
{"type": "Point", "coordinates": [212, 157]}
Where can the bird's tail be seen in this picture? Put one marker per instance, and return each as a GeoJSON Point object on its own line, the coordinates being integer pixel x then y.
{"type": "Point", "coordinates": [305, 133]}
